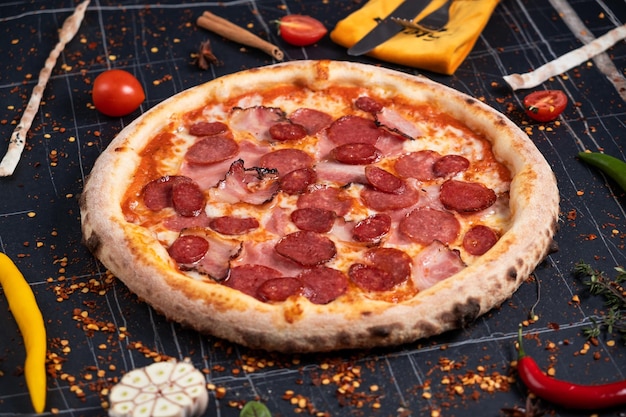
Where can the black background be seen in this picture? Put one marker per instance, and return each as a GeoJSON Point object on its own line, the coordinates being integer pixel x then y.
{"type": "Point", "coordinates": [40, 227]}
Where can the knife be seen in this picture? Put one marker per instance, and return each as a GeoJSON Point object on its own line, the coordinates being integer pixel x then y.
{"type": "Point", "coordinates": [387, 28]}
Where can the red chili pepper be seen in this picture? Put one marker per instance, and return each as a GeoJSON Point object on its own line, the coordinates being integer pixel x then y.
{"type": "Point", "coordinates": [567, 394]}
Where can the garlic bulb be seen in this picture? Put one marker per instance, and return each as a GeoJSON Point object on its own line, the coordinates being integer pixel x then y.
{"type": "Point", "coordinates": [163, 389]}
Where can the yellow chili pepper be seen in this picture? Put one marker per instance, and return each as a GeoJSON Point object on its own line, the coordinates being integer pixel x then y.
{"type": "Point", "coordinates": [30, 321]}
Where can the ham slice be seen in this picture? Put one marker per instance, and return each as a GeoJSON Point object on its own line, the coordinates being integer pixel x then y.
{"type": "Point", "coordinates": [256, 120]}
{"type": "Point", "coordinates": [263, 253]}
{"type": "Point", "coordinates": [340, 173]}
{"type": "Point", "coordinates": [208, 176]}
{"type": "Point", "coordinates": [395, 122]}
{"type": "Point", "coordinates": [216, 261]}
{"type": "Point", "coordinates": [177, 222]}
{"type": "Point", "coordinates": [435, 263]}
{"type": "Point", "coordinates": [248, 185]}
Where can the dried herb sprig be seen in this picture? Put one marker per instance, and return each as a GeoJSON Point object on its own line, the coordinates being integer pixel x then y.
{"type": "Point", "coordinates": [614, 294]}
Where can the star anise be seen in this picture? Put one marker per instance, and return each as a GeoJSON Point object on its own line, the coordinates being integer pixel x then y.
{"type": "Point", "coordinates": [206, 56]}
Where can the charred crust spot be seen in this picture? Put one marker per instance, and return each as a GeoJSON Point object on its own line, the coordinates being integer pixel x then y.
{"type": "Point", "coordinates": [512, 274]}
{"type": "Point", "coordinates": [384, 331]}
{"type": "Point", "coordinates": [345, 339]}
{"type": "Point", "coordinates": [82, 201]}
{"type": "Point", "coordinates": [93, 243]}
{"type": "Point", "coordinates": [463, 314]}
{"type": "Point", "coordinates": [426, 328]}
{"type": "Point", "coordinates": [553, 247]}
{"type": "Point", "coordinates": [470, 101]}
{"type": "Point", "coordinates": [467, 312]}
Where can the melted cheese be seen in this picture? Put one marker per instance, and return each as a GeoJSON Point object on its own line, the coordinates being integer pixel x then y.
{"type": "Point", "coordinates": [438, 133]}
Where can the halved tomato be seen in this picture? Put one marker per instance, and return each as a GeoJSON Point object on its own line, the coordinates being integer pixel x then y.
{"type": "Point", "coordinates": [545, 105]}
{"type": "Point", "coordinates": [300, 30]}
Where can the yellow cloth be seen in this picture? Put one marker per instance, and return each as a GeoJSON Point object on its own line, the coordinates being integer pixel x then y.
{"type": "Point", "coordinates": [441, 51]}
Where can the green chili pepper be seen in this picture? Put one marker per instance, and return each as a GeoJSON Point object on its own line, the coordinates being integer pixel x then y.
{"type": "Point", "coordinates": [611, 166]}
{"type": "Point", "coordinates": [24, 307]}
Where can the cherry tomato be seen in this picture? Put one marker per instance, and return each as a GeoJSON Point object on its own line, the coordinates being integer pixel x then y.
{"type": "Point", "coordinates": [117, 93]}
{"type": "Point", "coordinates": [546, 105]}
{"type": "Point", "coordinates": [300, 30]}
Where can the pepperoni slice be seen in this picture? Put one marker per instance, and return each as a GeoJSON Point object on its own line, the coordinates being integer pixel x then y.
{"type": "Point", "coordinates": [356, 153]}
{"type": "Point", "coordinates": [229, 225]}
{"type": "Point", "coordinates": [479, 239]}
{"type": "Point", "coordinates": [212, 149]}
{"type": "Point", "coordinates": [287, 131]}
{"type": "Point", "coordinates": [372, 228]}
{"type": "Point", "coordinates": [157, 194]}
{"type": "Point", "coordinates": [279, 289]}
{"type": "Point", "coordinates": [466, 197]}
{"type": "Point", "coordinates": [328, 198]}
{"type": "Point", "coordinates": [312, 120]}
{"type": "Point", "coordinates": [368, 104]}
{"type": "Point", "coordinates": [249, 278]}
{"type": "Point", "coordinates": [188, 249]}
{"type": "Point", "coordinates": [204, 128]}
{"type": "Point", "coordinates": [353, 129]}
{"type": "Point", "coordinates": [313, 219]}
{"type": "Point", "coordinates": [387, 268]}
{"type": "Point", "coordinates": [306, 248]}
{"type": "Point", "coordinates": [323, 284]}
{"type": "Point", "coordinates": [450, 165]}
{"type": "Point", "coordinates": [286, 160]}
{"type": "Point", "coordinates": [425, 225]}
{"type": "Point", "coordinates": [370, 278]}
{"type": "Point", "coordinates": [417, 165]}
{"type": "Point", "coordinates": [381, 201]}
{"type": "Point", "coordinates": [297, 182]}
{"type": "Point", "coordinates": [187, 198]}
{"type": "Point", "coordinates": [383, 180]}
{"type": "Point", "coordinates": [393, 261]}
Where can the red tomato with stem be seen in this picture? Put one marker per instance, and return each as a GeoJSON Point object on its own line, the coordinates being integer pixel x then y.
{"type": "Point", "coordinates": [117, 93]}
{"type": "Point", "coordinates": [546, 105]}
{"type": "Point", "coordinates": [300, 30]}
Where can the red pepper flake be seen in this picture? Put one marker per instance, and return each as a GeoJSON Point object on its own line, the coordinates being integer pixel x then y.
{"type": "Point", "coordinates": [572, 214]}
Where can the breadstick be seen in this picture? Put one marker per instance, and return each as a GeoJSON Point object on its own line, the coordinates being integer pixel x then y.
{"type": "Point", "coordinates": [237, 34]}
{"type": "Point", "coordinates": [567, 61]}
{"type": "Point", "coordinates": [18, 138]}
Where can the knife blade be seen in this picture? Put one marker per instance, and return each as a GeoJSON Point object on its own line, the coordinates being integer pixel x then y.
{"type": "Point", "coordinates": [387, 28]}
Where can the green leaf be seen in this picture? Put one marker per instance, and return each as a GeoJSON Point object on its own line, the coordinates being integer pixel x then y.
{"type": "Point", "coordinates": [255, 409]}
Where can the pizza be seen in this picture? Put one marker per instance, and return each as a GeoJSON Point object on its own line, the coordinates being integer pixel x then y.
{"type": "Point", "coordinates": [321, 205]}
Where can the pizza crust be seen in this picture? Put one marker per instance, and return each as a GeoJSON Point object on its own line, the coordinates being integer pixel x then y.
{"type": "Point", "coordinates": [297, 325]}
